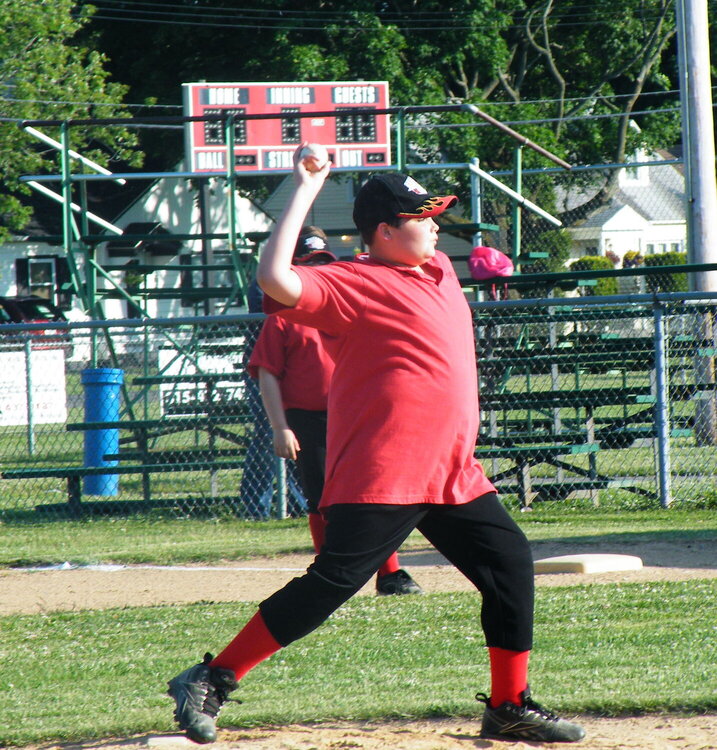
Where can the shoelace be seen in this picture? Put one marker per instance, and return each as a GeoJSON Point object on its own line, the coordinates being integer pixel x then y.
{"type": "Point", "coordinates": [528, 705]}
{"type": "Point", "coordinates": [213, 702]}
{"type": "Point", "coordinates": [531, 705]}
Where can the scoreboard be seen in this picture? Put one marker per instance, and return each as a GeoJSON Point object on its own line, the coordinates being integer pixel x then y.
{"type": "Point", "coordinates": [353, 133]}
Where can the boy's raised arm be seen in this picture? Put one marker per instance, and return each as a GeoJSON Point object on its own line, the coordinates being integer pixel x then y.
{"type": "Point", "coordinates": [274, 273]}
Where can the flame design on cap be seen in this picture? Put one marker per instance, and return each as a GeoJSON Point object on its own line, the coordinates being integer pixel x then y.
{"type": "Point", "coordinates": [430, 207]}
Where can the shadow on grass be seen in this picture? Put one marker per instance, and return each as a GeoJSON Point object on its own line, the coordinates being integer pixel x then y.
{"type": "Point", "coordinates": [670, 548]}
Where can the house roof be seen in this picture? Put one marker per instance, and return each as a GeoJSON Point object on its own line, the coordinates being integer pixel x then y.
{"type": "Point", "coordinates": [660, 198]}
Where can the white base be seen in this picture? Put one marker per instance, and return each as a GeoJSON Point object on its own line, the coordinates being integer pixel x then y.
{"type": "Point", "coordinates": [595, 563]}
{"type": "Point", "coordinates": [169, 740]}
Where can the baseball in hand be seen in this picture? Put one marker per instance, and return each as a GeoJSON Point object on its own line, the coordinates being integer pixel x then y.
{"type": "Point", "coordinates": [314, 156]}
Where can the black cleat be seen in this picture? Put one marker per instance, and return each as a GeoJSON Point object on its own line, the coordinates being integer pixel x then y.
{"type": "Point", "coordinates": [529, 722]}
{"type": "Point", "coordinates": [199, 693]}
{"type": "Point", "coordinates": [397, 583]}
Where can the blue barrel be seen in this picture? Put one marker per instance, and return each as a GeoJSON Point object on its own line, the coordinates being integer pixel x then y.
{"type": "Point", "coordinates": [102, 404]}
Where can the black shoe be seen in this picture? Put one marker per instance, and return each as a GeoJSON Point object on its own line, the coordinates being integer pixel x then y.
{"type": "Point", "coordinates": [528, 721]}
{"type": "Point", "coordinates": [199, 693]}
{"type": "Point", "coordinates": [397, 583]}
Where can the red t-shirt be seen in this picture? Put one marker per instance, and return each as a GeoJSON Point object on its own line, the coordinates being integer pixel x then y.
{"type": "Point", "coordinates": [296, 356]}
{"type": "Point", "coordinates": [403, 404]}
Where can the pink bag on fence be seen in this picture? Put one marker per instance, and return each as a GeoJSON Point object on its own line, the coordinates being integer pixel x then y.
{"type": "Point", "coordinates": [487, 262]}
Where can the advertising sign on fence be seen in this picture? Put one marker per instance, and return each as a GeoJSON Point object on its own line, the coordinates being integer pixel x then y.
{"type": "Point", "coordinates": [193, 388]}
{"type": "Point", "coordinates": [45, 372]}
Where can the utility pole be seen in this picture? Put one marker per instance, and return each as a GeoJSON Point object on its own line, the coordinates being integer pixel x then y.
{"type": "Point", "coordinates": [700, 191]}
{"type": "Point", "coordinates": [698, 138]}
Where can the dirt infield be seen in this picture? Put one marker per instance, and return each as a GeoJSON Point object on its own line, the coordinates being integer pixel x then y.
{"type": "Point", "coordinates": [37, 591]}
{"type": "Point", "coordinates": [103, 587]}
{"type": "Point", "coordinates": [638, 733]}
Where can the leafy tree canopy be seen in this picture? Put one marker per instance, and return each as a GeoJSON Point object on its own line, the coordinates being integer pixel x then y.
{"type": "Point", "coordinates": [45, 74]}
{"type": "Point", "coordinates": [584, 70]}
{"type": "Point", "coordinates": [568, 75]}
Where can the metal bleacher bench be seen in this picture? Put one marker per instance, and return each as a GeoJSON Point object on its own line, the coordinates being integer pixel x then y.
{"type": "Point", "coordinates": [527, 447]}
{"type": "Point", "coordinates": [75, 474]}
{"type": "Point", "coordinates": [528, 443]}
{"type": "Point", "coordinates": [141, 459]}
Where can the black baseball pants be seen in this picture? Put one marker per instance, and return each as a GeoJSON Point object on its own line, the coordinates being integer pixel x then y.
{"type": "Point", "coordinates": [310, 430]}
{"type": "Point", "coordinates": [479, 538]}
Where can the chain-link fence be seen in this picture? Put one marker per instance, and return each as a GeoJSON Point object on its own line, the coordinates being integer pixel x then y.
{"type": "Point", "coordinates": [137, 415]}
{"type": "Point", "coordinates": [612, 216]}
{"type": "Point", "coordinates": [592, 396]}
{"type": "Point", "coordinates": [595, 396]}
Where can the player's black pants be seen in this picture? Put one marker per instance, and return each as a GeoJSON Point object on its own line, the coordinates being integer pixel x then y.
{"type": "Point", "coordinates": [310, 430]}
{"type": "Point", "coordinates": [479, 538]}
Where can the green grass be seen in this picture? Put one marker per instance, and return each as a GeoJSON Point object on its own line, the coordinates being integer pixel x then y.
{"type": "Point", "coordinates": [148, 540]}
{"type": "Point", "coordinates": [609, 650]}
{"type": "Point", "coordinates": [163, 541]}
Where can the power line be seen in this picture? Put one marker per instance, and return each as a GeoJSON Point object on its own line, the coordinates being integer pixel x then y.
{"type": "Point", "coordinates": [488, 103]}
{"type": "Point", "coordinates": [594, 97]}
{"type": "Point", "coordinates": [209, 16]}
{"type": "Point", "coordinates": [423, 126]}
{"type": "Point", "coordinates": [318, 14]}
{"type": "Point", "coordinates": [547, 120]}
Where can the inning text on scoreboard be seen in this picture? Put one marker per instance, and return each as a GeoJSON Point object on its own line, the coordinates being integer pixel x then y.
{"type": "Point", "coordinates": [354, 134]}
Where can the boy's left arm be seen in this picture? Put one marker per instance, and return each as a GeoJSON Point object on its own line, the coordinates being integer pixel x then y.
{"type": "Point", "coordinates": [285, 443]}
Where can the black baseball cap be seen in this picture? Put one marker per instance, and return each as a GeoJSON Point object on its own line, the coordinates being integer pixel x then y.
{"type": "Point", "coordinates": [313, 247]}
{"type": "Point", "coordinates": [392, 195]}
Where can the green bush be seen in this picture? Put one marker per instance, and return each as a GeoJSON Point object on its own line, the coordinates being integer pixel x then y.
{"type": "Point", "coordinates": [597, 263]}
{"type": "Point", "coordinates": [675, 282]}
{"type": "Point", "coordinates": [555, 242]}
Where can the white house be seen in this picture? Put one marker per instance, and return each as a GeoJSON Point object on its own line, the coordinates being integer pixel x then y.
{"type": "Point", "coordinates": [175, 206]}
{"type": "Point", "coordinates": [31, 265]}
{"type": "Point", "coordinates": [646, 214]}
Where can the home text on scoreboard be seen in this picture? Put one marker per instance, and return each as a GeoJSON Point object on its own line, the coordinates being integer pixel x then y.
{"type": "Point", "coordinates": [354, 135]}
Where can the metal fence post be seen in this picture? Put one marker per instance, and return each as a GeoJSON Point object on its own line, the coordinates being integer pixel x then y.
{"type": "Point", "coordinates": [30, 405]}
{"type": "Point", "coordinates": [662, 409]}
{"type": "Point", "coordinates": [281, 488]}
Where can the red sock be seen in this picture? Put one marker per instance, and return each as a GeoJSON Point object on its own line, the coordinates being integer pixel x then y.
{"type": "Point", "coordinates": [252, 645]}
{"type": "Point", "coordinates": [509, 675]}
{"type": "Point", "coordinates": [390, 566]}
{"type": "Point", "coordinates": [317, 527]}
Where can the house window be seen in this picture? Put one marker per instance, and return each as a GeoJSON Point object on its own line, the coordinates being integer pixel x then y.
{"type": "Point", "coordinates": [227, 278]}
{"type": "Point", "coordinates": [675, 247]}
{"type": "Point", "coordinates": [191, 279]}
{"type": "Point", "coordinates": [650, 248]}
{"type": "Point", "coordinates": [134, 281]}
{"type": "Point", "coordinates": [41, 277]}
{"type": "Point", "coordinates": [46, 276]}
{"type": "Point", "coordinates": [186, 280]}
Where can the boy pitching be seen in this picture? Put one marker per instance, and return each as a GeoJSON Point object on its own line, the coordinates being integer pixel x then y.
{"type": "Point", "coordinates": [403, 420]}
{"type": "Point", "coordinates": [294, 371]}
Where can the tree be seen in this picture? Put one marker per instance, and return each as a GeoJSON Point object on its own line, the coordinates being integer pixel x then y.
{"type": "Point", "coordinates": [569, 76]}
{"type": "Point", "coordinates": [46, 74]}
{"type": "Point", "coordinates": [568, 64]}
